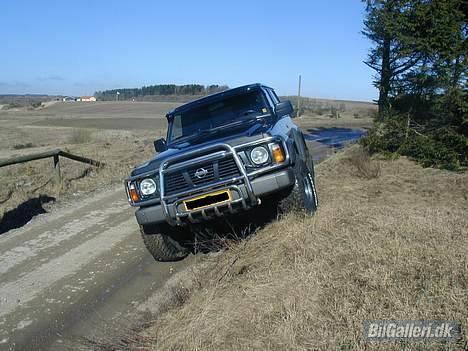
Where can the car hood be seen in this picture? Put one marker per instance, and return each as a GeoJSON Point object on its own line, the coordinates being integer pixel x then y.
{"type": "Point", "coordinates": [255, 132]}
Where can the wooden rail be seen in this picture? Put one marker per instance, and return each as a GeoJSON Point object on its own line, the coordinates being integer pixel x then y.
{"type": "Point", "coordinates": [55, 154]}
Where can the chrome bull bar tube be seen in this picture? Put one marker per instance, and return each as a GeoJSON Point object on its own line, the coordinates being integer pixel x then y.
{"type": "Point", "coordinates": [181, 161]}
{"type": "Point", "coordinates": [215, 208]}
{"type": "Point", "coordinates": [218, 151]}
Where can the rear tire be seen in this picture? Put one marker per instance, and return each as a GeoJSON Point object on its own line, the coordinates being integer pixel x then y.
{"type": "Point", "coordinates": [302, 196]}
{"type": "Point", "coordinates": [164, 243]}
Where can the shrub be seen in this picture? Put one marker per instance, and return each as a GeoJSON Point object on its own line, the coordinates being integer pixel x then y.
{"type": "Point", "coordinates": [364, 166]}
{"type": "Point", "coordinates": [23, 146]}
{"type": "Point", "coordinates": [430, 152]}
{"type": "Point", "coordinates": [12, 106]}
{"type": "Point", "coordinates": [454, 141]}
{"type": "Point", "coordinates": [385, 137]}
{"type": "Point", "coordinates": [80, 136]}
{"type": "Point", "coordinates": [443, 147]}
{"type": "Point", "coordinates": [334, 112]}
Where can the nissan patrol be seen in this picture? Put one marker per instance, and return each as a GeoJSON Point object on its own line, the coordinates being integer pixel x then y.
{"type": "Point", "coordinates": [223, 154]}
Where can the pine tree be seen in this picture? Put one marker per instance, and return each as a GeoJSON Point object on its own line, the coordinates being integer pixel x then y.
{"type": "Point", "coordinates": [419, 52]}
{"type": "Point", "coordinates": [419, 55]}
{"type": "Point", "coordinates": [386, 26]}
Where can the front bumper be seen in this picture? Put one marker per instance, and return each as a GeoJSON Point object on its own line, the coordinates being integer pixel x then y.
{"type": "Point", "coordinates": [241, 200]}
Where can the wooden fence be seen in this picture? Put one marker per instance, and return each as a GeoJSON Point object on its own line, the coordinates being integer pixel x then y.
{"type": "Point", "coordinates": [55, 154]}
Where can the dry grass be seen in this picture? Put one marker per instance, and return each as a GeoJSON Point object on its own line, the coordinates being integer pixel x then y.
{"type": "Point", "coordinates": [347, 120]}
{"type": "Point", "coordinates": [320, 113]}
{"type": "Point", "coordinates": [362, 164]}
{"type": "Point", "coordinates": [103, 137]}
{"type": "Point", "coordinates": [120, 152]}
{"type": "Point", "coordinates": [392, 247]}
{"type": "Point", "coordinates": [23, 146]}
{"type": "Point", "coordinates": [81, 136]}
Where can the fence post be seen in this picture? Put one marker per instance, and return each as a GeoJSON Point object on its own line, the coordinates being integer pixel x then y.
{"type": "Point", "coordinates": [58, 176]}
{"type": "Point", "coordinates": [299, 98]}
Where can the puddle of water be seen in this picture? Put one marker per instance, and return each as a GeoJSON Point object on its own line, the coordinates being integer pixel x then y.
{"type": "Point", "coordinates": [334, 137]}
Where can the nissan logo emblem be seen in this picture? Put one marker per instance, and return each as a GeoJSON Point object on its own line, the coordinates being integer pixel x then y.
{"type": "Point", "coordinates": [201, 173]}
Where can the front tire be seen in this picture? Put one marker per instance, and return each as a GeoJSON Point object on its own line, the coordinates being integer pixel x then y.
{"type": "Point", "coordinates": [164, 243]}
{"type": "Point", "coordinates": [303, 195]}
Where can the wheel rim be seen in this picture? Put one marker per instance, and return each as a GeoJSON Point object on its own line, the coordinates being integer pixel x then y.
{"type": "Point", "coordinates": [309, 192]}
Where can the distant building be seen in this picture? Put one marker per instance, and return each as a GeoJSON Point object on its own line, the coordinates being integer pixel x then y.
{"type": "Point", "coordinates": [86, 99]}
{"type": "Point", "coordinates": [68, 99]}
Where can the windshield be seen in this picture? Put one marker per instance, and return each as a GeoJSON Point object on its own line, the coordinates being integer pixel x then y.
{"type": "Point", "coordinates": [216, 114]}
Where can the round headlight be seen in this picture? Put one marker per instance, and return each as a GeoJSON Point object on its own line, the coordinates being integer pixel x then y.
{"type": "Point", "coordinates": [259, 155]}
{"type": "Point", "coordinates": [148, 186]}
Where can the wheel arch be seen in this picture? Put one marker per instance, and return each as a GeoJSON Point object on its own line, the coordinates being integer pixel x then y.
{"type": "Point", "coordinates": [297, 145]}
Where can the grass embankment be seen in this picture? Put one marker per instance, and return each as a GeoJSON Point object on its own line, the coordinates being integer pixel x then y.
{"type": "Point", "coordinates": [388, 242]}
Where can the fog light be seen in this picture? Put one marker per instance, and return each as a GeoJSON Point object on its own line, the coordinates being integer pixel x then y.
{"type": "Point", "coordinates": [278, 153]}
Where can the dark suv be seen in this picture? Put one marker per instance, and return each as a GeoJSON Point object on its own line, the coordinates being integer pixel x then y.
{"type": "Point", "coordinates": [224, 154]}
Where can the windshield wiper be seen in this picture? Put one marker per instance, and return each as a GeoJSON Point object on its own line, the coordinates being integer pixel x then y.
{"type": "Point", "coordinates": [248, 113]}
{"type": "Point", "coordinates": [191, 136]}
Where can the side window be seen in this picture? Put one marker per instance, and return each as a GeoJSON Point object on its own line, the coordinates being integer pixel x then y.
{"type": "Point", "coordinates": [176, 127]}
{"type": "Point", "coordinates": [273, 96]}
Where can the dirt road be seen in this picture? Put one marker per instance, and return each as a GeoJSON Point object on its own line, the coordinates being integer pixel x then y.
{"type": "Point", "coordinates": [73, 273]}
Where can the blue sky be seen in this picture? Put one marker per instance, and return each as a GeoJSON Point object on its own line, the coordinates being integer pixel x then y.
{"type": "Point", "coordinates": [76, 48]}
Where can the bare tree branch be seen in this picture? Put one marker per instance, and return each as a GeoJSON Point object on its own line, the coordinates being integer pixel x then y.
{"type": "Point", "coordinates": [405, 66]}
{"type": "Point", "coordinates": [374, 67]}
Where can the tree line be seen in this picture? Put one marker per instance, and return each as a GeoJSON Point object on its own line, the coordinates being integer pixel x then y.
{"type": "Point", "coordinates": [159, 89]}
{"type": "Point", "coordinates": [419, 58]}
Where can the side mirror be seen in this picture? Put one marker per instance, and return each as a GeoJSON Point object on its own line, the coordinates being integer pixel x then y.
{"type": "Point", "coordinates": [283, 108]}
{"type": "Point", "coordinates": [160, 145]}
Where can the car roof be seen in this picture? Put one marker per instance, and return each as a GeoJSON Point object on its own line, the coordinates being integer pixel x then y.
{"type": "Point", "coordinates": [216, 97]}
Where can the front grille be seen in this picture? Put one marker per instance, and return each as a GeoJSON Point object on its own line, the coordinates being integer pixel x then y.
{"type": "Point", "coordinates": [174, 182]}
{"type": "Point", "coordinates": [183, 180]}
{"type": "Point", "coordinates": [228, 168]}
